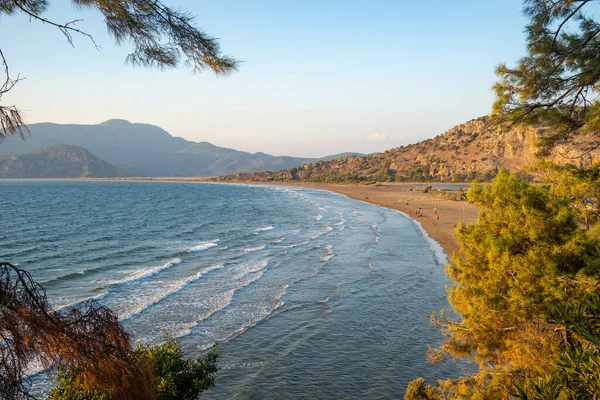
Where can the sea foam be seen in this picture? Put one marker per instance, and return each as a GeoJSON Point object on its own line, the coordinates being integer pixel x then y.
{"type": "Point", "coordinates": [171, 290]}
{"type": "Point", "coordinates": [146, 272]}
{"type": "Point", "coordinates": [203, 246]}
{"type": "Point", "coordinates": [266, 228]}
{"type": "Point", "coordinates": [253, 249]}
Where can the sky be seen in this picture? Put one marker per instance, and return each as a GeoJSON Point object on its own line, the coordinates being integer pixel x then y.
{"type": "Point", "coordinates": [317, 77]}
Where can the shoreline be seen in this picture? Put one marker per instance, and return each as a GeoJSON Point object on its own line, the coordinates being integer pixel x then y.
{"type": "Point", "coordinates": [438, 215]}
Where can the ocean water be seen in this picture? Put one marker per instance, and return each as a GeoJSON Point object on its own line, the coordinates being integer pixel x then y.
{"type": "Point", "coordinates": [309, 294]}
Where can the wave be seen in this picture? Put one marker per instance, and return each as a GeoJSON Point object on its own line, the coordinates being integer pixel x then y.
{"type": "Point", "coordinates": [98, 296]}
{"type": "Point", "coordinates": [376, 232]}
{"type": "Point", "coordinates": [203, 246]}
{"type": "Point", "coordinates": [281, 239]}
{"type": "Point", "coordinates": [146, 272]}
{"type": "Point", "coordinates": [172, 289]}
{"type": "Point", "coordinates": [253, 249]}
{"type": "Point", "coordinates": [291, 246]}
{"type": "Point", "coordinates": [318, 217]}
{"type": "Point", "coordinates": [329, 255]}
{"type": "Point", "coordinates": [266, 228]}
{"type": "Point", "coordinates": [225, 301]}
{"type": "Point", "coordinates": [252, 267]}
{"type": "Point", "coordinates": [249, 324]}
{"type": "Point", "coordinates": [326, 230]}
{"type": "Point", "coordinates": [221, 302]}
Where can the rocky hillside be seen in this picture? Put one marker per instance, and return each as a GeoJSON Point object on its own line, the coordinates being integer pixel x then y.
{"type": "Point", "coordinates": [57, 161]}
{"type": "Point", "coordinates": [476, 149]}
{"type": "Point", "coordinates": [148, 150]}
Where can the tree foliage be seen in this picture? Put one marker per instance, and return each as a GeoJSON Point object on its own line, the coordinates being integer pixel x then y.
{"type": "Point", "coordinates": [89, 335]}
{"type": "Point", "coordinates": [89, 347]}
{"type": "Point", "coordinates": [522, 290]}
{"type": "Point", "coordinates": [160, 36]}
{"type": "Point", "coordinates": [174, 378]}
{"type": "Point", "coordinates": [580, 186]}
{"type": "Point", "coordinates": [556, 83]}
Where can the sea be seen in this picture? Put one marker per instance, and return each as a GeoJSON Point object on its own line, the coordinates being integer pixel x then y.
{"type": "Point", "coordinates": [309, 295]}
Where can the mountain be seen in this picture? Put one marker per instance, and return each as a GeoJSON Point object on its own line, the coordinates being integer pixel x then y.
{"type": "Point", "coordinates": [57, 161]}
{"type": "Point", "coordinates": [476, 149]}
{"type": "Point", "coordinates": [147, 150]}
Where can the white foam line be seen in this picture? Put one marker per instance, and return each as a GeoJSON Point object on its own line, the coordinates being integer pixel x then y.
{"type": "Point", "coordinates": [440, 256]}
{"type": "Point", "coordinates": [266, 228]}
{"type": "Point", "coordinates": [221, 305]}
{"type": "Point", "coordinates": [250, 324]}
{"type": "Point", "coordinates": [291, 246]}
{"type": "Point", "coordinates": [146, 272]}
{"type": "Point", "coordinates": [253, 249]}
{"type": "Point", "coordinates": [253, 267]}
{"type": "Point", "coordinates": [177, 287]}
{"type": "Point", "coordinates": [203, 246]}
{"type": "Point", "coordinates": [327, 229]}
{"type": "Point", "coordinates": [228, 297]}
{"type": "Point", "coordinates": [329, 255]}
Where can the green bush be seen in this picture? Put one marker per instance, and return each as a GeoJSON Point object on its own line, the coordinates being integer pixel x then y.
{"type": "Point", "coordinates": [174, 377]}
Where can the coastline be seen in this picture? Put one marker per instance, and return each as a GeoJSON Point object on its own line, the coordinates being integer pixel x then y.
{"type": "Point", "coordinates": [438, 215]}
{"type": "Point", "coordinates": [425, 208]}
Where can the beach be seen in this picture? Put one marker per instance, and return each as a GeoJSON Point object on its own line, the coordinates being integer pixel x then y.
{"type": "Point", "coordinates": [438, 215]}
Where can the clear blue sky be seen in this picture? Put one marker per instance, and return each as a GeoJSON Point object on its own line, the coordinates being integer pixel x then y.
{"type": "Point", "coordinates": [319, 76]}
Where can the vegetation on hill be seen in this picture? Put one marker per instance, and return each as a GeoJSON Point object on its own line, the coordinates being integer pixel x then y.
{"type": "Point", "coordinates": [475, 150]}
{"type": "Point", "coordinates": [58, 161]}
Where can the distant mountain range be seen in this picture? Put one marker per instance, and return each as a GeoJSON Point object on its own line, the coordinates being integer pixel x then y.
{"type": "Point", "coordinates": [147, 150]}
{"type": "Point", "coordinates": [57, 161]}
{"type": "Point", "coordinates": [475, 149]}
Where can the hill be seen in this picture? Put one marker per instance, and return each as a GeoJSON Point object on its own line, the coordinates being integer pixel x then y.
{"type": "Point", "coordinates": [147, 150]}
{"type": "Point", "coordinates": [476, 149]}
{"type": "Point", "coordinates": [57, 161]}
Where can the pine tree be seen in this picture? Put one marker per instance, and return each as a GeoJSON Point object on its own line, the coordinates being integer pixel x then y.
{"type": "Point", "coordinates": [523, 263]}
{"type": "Point", "coordinates": [556, 83]}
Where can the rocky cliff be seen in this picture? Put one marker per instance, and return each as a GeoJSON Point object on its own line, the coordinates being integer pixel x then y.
{"type": "Point", "coordinates": [476, 149]}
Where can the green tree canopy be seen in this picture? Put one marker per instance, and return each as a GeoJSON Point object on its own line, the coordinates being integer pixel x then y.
{"type": "Point", "coordinates": [523, 263]}
{"type": "Point", "coordinates": [173, 377]}
{"type": "Point", "coordinates": [556, 83]}
{"type": "Point", "coordinates": [160, 36]}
